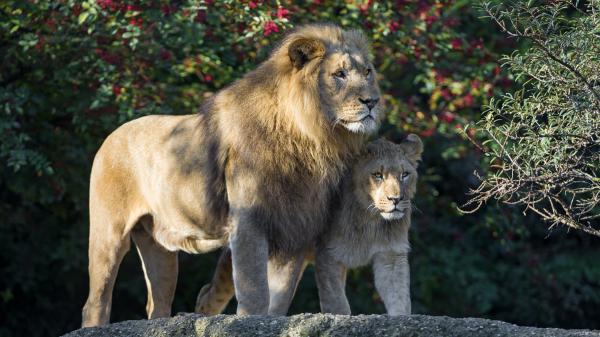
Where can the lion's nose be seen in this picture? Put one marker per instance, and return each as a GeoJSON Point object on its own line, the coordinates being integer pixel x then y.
{"type": "Point", "coordinates": [394, 199]}
{"type": "Point", "coordinates": [369, 102]}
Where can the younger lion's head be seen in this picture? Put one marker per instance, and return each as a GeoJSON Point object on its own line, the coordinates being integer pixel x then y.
{"type": "Point", "coordinates": [331, 80]}
{"type": "Point", "coordinates": [385, 176]}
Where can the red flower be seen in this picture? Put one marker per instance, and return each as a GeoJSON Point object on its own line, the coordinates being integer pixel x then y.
{"type": "Point", "coordinates": [393, 26]}
{"type": "Point", "coordinates": [447, 117]}
{"type": "Point", "coordinates": [451, 22]}
{"type": "Point", "coordinates": [132, 8]}
{"type": "Point", "coordinates": [468, 100]}
{"type": "Point", "coordinates": [364, 8]}
{"type": "Point", "coordinates": [201, 17]}
{"type": "Point", "coordinates": [165, 55]}
{"type": "Point", "coordinates": [252, 4]}
{"type": "Point", "coordinates": [108, 4]}
{"type": "Point", "coordinates": [116, 89]}
{"type": "Point", "coordinates": [282, 12]}
{"type": "Point", "coordinates": [136, 22]}
{"type": "Point", "coordinates": [456, 43]}
{"type": "Point", "coordinates": [430, 19]}
{"type": "Point", "coordinates": [208, 78]}
{"type": "Point", "coordinates": [41, 43]}
{"type": "Point", "coordinates": [497, 70]}
{"type": "Point", "coordinates": [446, 94]}
{"type": "Point", "coordinates": [428, 132]}
{"type": "Point", "coordinates": [439, 77]}
{"type": "Point", "coordinates": [270, 27]}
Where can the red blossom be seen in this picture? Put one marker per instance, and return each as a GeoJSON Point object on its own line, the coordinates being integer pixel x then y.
{"type": "Point", "coordinates": [496, 70]}
{"type": "Point", "coordinates": [439, 77]}
{"type": "Point", "coordinates": [41, 43]}
{"type": "Point", "coordinates": [430, 19]}
{"type": "Point", "coordinates": [76, 10]}
{"type": "Point", "coordinates": [165, 55]}
{"type": "Point", "coordinates": [132, 8]}
{"type": "Point", "coordinates": [451, 22]}
{"type": "Point", "coordinates": [447, 117]}
{"type": "Point", "coordinates": [456, 44]}
{"type": "Point", "coordinates": [446, 94]}
{"type": "Point", "coordinates": [364, 8]}
{"type": "Point", "coordinates": [423, 8]}
{"type": "Point", "coordinates": [109, 4]}
{"type": "Point", "coordinates": [270, 27]}
{"type": "Point", "coordinates": [417, 52]}
{"type": "Point", "coordinates": [208, 78]}
{"type": "Point", "coordinates": [477, 44]}
{"type": "Point", "coordinates": [117, 89]}
{"type": "Point", "coordinates": [138, 22]}
{"type": "Point", "coordinates": [252, 4]}
{"type": "Point", "coordinates": [51, 24]}
{"type": "Point", "coordinates": [468, 100]}
{"type": "Point", "coordinates": [282, 12]}
{"type": "Point", "coordinates": [401, 3]}
{"type": "Point", "coordinates": [201, 16]}
{"type": "Point", "coordinates": [168, 10]}
{"type": "Point", "coordinates": [108, 57]}
{"type": "Point", "coordinates": [393, 26]}
{"type": "Point", "coordinates": [427, 133]}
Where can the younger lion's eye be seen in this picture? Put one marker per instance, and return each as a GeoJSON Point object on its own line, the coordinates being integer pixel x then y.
{"type": "Point", "coordinates": [368, 72]}
{"type": "Point", "coordinates": [340, 74]}
{"type": "Point", "coordinates": [378, 176]}
{"type": "Point", "coordinates": [405, 174]}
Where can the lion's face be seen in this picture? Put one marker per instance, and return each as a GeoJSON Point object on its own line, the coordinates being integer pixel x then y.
{"type": "Point", "coordinates": [349, 88]}
{"type": "Point", "coordinates": [385, 178]}
{"type": "Point", "coordinates": [345, 77]}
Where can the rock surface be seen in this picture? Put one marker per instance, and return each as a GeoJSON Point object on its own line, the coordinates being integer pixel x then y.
{"type": "Point", "coordinates": [321, 325]}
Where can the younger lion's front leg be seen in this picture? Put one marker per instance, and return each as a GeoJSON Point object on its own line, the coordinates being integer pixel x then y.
{"type": "Point", "coordinates": [249, 253]}
{"type": "Point", "coordinates": [331, 282]}
{"type": "Point", "coordinates": [392, 280]}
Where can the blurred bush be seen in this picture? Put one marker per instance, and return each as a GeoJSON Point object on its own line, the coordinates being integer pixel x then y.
{"type": "Point", "coordinates": [73, 71]}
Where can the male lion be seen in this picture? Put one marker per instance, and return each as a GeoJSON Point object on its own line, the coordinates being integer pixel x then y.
{"type": "Point", "coordinates": [370, 225]}
{"type": "Point", "coordinates": [256, 169]}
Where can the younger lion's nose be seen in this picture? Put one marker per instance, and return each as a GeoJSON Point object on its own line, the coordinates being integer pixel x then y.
{"type": "Point", "coordinates": [395, 200]}
{"type": "Point", "coordinates": [369, 102]}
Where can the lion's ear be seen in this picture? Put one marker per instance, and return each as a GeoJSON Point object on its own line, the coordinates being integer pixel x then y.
{"type": "Point", "coordinates": [413, 148]}
{"type": "Point", "coordinates": [303, 50]}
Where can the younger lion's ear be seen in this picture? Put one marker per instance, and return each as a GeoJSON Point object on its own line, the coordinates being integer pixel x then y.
{"type": "Point", "coordinates": [303, 50]}
{"type": "Point", "coordinates": [413, 148]}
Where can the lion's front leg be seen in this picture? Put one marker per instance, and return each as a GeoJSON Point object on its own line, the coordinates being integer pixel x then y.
{"type": "Point", "coordinates": [331, 282]}
{"type": "Point", "coordinates": [283, 282]}
{"type": "Point", "coordinates": [249, 253]}
{"type": "Point", "coordinates": [392, 280]}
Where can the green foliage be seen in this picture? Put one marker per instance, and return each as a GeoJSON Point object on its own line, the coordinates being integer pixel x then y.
{"type": "Point", "coordinates": [544, 140]}
{"type": "Point", "coordinates": [73, 71]}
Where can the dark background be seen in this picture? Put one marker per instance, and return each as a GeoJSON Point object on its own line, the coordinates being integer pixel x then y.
{"type": "Point", "coordinates": [73, 71]}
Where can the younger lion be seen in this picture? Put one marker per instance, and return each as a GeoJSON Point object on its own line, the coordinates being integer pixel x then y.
{"type": "Point", "coordinates": [371, 225]}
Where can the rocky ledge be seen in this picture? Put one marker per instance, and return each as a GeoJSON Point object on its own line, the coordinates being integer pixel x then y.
{"type": "Point", "coordinates": [321, 325]}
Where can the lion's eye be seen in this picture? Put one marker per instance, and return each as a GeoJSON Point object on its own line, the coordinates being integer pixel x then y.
{"type": "Point", "coordinates": [368, 72]}
{"type": "Point", "coordinates": [340, 74]}
{"type": "Point", "coordinates": [377, 176]}
{"type": "Point", "coordinates": [405, 174]}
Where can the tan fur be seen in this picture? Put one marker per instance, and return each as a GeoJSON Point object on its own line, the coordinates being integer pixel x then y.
{"type": "Point", "coordinates": [255, 169]}
{"type": "Point", "coordinates": [359, 234]}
